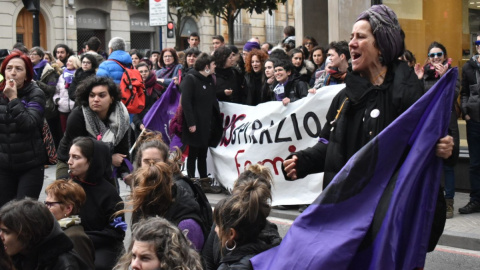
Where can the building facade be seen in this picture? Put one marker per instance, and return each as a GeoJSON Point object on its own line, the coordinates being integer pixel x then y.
{"type": "Point", "coordinates": [72, 22]}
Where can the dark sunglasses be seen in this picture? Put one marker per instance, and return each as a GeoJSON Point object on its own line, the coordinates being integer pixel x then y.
{"type": "Point", "coordinates": [477, 42]}
{"type": "Point", "coordinates": [438, 54]}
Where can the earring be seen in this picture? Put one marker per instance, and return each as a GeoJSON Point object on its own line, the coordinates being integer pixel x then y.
{"type": "Point", "coordinates": [207, 71]}
{"type": "Point", "coordinates": [234, 245]}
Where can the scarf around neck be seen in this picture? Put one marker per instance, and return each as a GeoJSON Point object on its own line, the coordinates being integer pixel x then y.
{"type": "Point", "coordinates": [118, 123]}
{"type": "Point", "coordinates": [69, 221]}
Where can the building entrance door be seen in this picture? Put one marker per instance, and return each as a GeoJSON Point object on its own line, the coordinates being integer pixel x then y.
{"type": "Point", "coordinates": [25, 29]}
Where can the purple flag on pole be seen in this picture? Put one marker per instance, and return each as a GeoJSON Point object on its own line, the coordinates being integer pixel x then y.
{"type": "Point", "coordinates": [378, 211]}
{"type": "Point", "coordinates": [162, 111]}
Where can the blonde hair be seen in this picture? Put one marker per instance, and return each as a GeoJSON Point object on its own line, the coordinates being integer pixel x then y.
{"type": "Point", "coordinates": [76, 62]}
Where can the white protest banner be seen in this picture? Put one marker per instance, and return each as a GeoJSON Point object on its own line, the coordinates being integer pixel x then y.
{"type": "Point", "coordinates": [268, 133]}
{"type": "Point", "coordinates": [158, 12]}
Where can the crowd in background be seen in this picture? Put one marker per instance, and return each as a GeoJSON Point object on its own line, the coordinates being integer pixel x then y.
{"type": "Point", "coordinates": [77, 98]}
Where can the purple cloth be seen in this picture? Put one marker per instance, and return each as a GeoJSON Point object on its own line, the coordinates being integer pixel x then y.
{"type": "Point", "coordinates": [387, 31]}
{"type": "Point", "coordinates": [390, 185]}
{"type": "Point", "coordinates": [195, 233]}
{"type": "Point", "coordinates": [162, 111]}
{"type": "Point", "coordinates": [250, 46]}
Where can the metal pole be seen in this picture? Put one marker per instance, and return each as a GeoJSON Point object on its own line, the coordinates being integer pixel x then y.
{"type": "Point", "coordinates": [36, 28]}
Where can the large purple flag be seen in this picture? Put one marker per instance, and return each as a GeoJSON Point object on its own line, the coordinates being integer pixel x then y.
{"type": "Point", "coordinates": [378, 211]}
{"type": "Point", "coordinates": [162, 111]}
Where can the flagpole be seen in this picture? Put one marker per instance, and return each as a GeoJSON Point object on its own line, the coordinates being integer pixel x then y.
{"type": "Point", "coordinates": [135, 144]}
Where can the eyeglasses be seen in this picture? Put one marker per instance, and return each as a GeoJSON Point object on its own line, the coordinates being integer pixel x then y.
{"type": "Point", "coordinates": [32, 54]}
{"type": "Point", "coordinates": [168, 56]}
{"type": "Point", "coordinates": [438, 54]}
{"type": "Point", "coordinates": [50, 204]}
{"type": "Point", "coordinates": [86, 62]}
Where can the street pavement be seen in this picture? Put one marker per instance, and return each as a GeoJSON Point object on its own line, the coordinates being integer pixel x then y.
{"type": "Point", "coordinates": [462, 231]}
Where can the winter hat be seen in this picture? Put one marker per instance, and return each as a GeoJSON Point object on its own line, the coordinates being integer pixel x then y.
{"type": "Point", "coordinates": [250, 46]}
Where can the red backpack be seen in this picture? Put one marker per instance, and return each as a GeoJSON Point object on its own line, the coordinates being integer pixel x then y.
{"type": "Point", "coordinates": [133, 89]}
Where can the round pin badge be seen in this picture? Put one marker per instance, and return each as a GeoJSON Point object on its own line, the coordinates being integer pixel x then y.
{"type": "Point", "coordinates": [204, 87]}
{"type": "Point", "coordinates": [374, 113]}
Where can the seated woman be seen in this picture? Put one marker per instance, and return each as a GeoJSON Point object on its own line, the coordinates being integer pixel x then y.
{"type": "Point", "coordinates": [240, 220]}
{"type": "Point", "coordinates": [158, 244]}
{"type": "Point", "coordinates": [64, 200]}
{"type": "Point", "coordinates": [89, 162]}
{"type": "Point", "coordinates": [212, 252]}
{"type": "Point", "coordinates": [154, 194]}
{"type": "Point", "coordinates": [101, 116]}
{"type": "Point", "coordinates": [34, 240]}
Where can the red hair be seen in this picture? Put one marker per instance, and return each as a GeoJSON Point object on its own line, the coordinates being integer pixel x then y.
{"type": "Point", "coordinates": [262, 56]}
{"type": "Point", "coordinates": [28, 67]}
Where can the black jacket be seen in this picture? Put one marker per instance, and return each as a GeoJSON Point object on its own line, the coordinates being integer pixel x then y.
{"type": "Point", "coordinates": [355, 127]}
{"type": "Point", "coordinates": [200, 109]}
{"type": "Point", "coordinates": [471, 89]}
{"type": "Point", "coordinates": [53, 253]}
{"type": "Point", "coordinates": [212, 255]}
{"type": "Point", "coordinates": [295, 89]}
{"type": "Point", "coordinates": [80, 75]}
{"type": "Point", "coordinates": [102, 202]}
{"type": "Point", "coordinates": [21, 123]}
{"type": "Point", "coordinates": [229, 78]}
{"type": "Point", "coordinates": [257, 91]}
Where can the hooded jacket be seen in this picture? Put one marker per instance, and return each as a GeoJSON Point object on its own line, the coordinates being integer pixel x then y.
{"type": "Point", "coordinates": [102, 202]}
{"type": "Point", "coordinates": [238, 258]}
{"type": "Point", "coordinates": [55, 252]}
{"type": "Point", "coordinates": [48, 83]}
{"type": "Point", "coordinates": [21, 123]}
{"type": "Point", "coordinates": [111, 69]}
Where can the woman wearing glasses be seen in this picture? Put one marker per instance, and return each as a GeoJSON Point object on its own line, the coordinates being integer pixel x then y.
{"type": "Point", "coordinates": [88, 68]}
{"type": "Point", "coordinates": [438, 64]}
{"type": "Point", "coordinates": [170, 66]}
{"type": "Point", "coordinates": [64, 200]}
{"type": "Point", "coordinates": [309, 43]}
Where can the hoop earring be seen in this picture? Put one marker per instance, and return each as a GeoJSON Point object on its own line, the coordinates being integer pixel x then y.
{"type": "Point", "coordinates": [234, 245]}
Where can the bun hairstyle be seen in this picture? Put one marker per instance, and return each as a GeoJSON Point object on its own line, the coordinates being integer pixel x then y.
{"type": "Point", "coordinates": [246, 211]}
{"type": "Point", "coordinates": [255, 171]}
{"type": "Point", "coordinates": [152, 193]}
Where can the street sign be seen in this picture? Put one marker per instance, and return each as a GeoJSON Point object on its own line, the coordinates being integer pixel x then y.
{"type": "Point", "coordinates": [158, 12]}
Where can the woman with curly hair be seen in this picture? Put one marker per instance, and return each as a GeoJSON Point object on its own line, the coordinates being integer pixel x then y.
{"type": "Point", "coordinates": [100, 115]}
{"type": "Point", "coordinates": [158, 244]}
{"type": "Point", "coordinates": [170, 66]}
{"type": "Point", "coordinates": [155, 194]}
{"type": "Point", "coordinates": [254, 78]}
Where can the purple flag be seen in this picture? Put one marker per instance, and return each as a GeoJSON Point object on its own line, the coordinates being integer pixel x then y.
{"type": "Point", "coordinates": [378, 211]}
{"type": "Point", "coordinates": [162, 111]}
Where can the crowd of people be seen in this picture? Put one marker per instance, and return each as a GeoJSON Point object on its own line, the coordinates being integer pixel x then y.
{"type": "Point", "coordinates": [82, 224]}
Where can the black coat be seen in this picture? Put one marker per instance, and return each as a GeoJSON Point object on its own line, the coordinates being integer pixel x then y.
{"type": "Point", "coordinates": [471, 90]}
{"type": "Point", "coordinates": [21, 123]}
{"type": "Point", "coordinates": [295, 89]}
{"type": "Point", "coordinates": [53, 253]}
{"type": "Point", "coordinates": [257, 91]}
{"type": "Point", "coordinates": [229, 78]}
{"type": "Point", "coordinates": [352, 130]}
{"type": "Point", "coordinates": [102, 202]}
{"type": "Point", "coordinates": [212, 255]}
{"type": "Point", "coordinates": [200, 109]}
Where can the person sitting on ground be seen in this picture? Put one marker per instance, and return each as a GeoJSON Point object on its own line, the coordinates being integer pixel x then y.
{"type": "Point", "coordinates": [155, 194]}
{"type": "Point", "coordinates": [158, 244]}
{"type": "Point", "coordinates": [100, 115]}
{"type": "Point", "coordinates": [240, 221]}
{"type": "Point", "coordinates": [89, 164]}
{"type": "Point", "coordinates": [64, 200]}
{"type": "Point", "coordinates": [33, 238]}
{"type": "Point", "coordinates": [212, 252]}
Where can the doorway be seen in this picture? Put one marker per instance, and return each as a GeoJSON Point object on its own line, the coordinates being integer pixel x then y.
{"type": "Point", "coordinates": [25, 29]}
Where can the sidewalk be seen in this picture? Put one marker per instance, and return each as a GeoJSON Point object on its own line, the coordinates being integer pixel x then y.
{"type": "Point", "coordinates": [461, 231]}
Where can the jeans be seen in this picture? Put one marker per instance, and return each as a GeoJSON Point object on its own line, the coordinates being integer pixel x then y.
{"type": "Point", "coordinates": [473, 139]}
{"type": "Point", "coordinates": [21, 184]}
{"type": "Point", "coordinates": [194, 154]}
{"type": "Point", "coordinates": [449, 173]}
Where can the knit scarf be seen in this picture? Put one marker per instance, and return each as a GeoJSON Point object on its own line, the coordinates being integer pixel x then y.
{"type": "Point", "coordinates": [167, 72]}
{"type": "Point", "coordinates": [118, 123]}
{"type": "Point", "coordinates": [69, 221]}
{"type": "Point", "coordinates": [38, 68]}
{"type": "Point", "coordinates": [68, 76]}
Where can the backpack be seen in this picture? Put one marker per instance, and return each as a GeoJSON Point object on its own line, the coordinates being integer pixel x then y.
{"type": "Point", "coordinates": [132, 89]}
{"type": "Point", "coordinates": [205, 207]}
